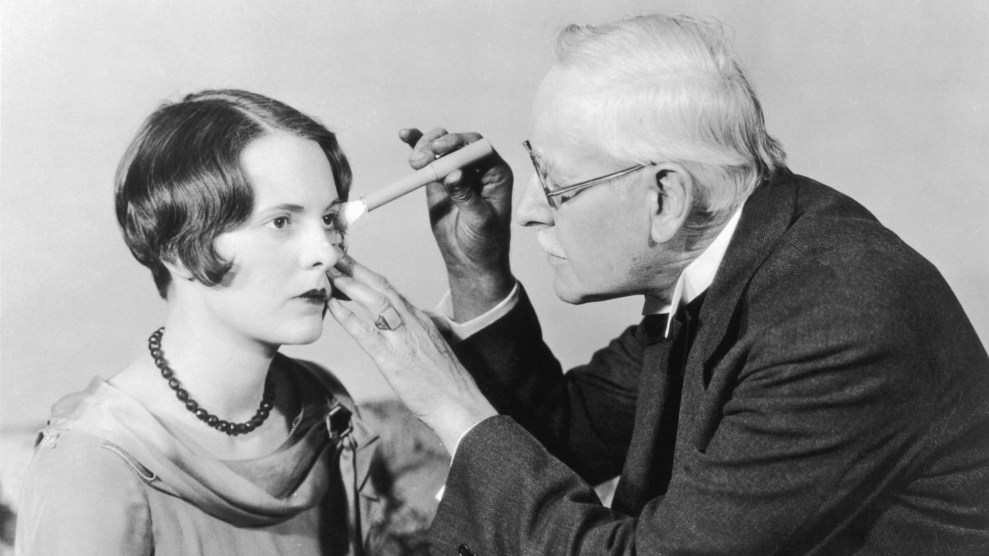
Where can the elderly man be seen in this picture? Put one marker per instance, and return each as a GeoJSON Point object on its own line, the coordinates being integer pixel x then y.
{"type": "Point", "coordinates": [803, 381]}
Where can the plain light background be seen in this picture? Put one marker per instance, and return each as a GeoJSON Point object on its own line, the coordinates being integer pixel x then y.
{"type": "Point", "coordinates": [884, 100]}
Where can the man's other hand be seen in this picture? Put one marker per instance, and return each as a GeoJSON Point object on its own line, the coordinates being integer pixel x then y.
{"type": "Point", "coordinates": [470, 213]}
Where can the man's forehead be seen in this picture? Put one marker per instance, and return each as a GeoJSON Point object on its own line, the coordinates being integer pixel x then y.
{"type": "Point", "coordinates": [566, 97]}
{"type": "Point", "coordinates": [565, 145]}
{"type": "Point", "coordinates": [563, 116]}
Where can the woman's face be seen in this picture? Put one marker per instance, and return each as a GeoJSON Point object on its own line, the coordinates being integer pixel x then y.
{"type": "Point", "coordinates": [276, 290]}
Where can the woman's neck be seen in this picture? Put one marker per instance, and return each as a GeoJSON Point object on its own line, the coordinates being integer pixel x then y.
{"type": "Point", "coordinates": [222, 370]}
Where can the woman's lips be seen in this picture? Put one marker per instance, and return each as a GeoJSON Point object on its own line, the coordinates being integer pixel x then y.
{"type": "Point", "coordinates": [316, 296]}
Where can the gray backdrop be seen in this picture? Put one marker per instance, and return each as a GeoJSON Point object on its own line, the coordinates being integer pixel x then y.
{"type": "Point", "coordinates": [884, 100]}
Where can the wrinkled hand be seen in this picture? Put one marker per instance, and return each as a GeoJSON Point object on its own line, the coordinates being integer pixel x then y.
{"type": "Point", "coordinates": [412, 356]}
{"type": "Point", "coordinates": [470, 213]}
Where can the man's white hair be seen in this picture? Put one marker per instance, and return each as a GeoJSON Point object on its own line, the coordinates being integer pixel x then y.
{"type": "Point", "coordinates": [669, 89]}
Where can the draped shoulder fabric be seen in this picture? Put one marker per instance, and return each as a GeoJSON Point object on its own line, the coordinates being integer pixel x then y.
{"type": "Point", "coordinates": [108, 477]}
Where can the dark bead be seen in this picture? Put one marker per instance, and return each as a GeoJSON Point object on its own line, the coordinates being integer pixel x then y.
{"type": "Point", "coordinates": [155, 352]}
{"type": "Point", "coordinates": [241, 428]}
{"type": "Point", "coordinates": [167, 373]}
{"type": "Point", "coordinates": [263, 413]}
{"type": "Point", "coordinates": [182, 394]}
{"type": "Point", "coordinates": [266, 405]}
{"type": "Point", "coordinates": [256, 422]}
{"type": "Point", "coordinates": [160, 362]}
{"type": "Point", "coordinates": [223, 426]}
{"type": "Point", "coordinates": [202, 414]}
{"type": "Point", "coordinates": [191, 405]}
{"type": "Point", "coordinates": [174, 384]}
{"type": "Point", "coordinates": [212, 421]}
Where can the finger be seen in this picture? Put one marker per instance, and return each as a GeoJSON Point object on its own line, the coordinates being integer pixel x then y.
{"type": "Point", "coordinates": [371, 286]}
{"type": "Point", "coordinates": [360, 329]}
{"type": "Point", "coordinates": [350, 267]}
{"type": "Point", "coordinates": [371, 300]}
{"type": "Point", "coordinates": [335, 292]}
{"type": "Point", "coordinates": [445, 144]}
{"type": "Point", "coordinates": [466, 195]}
{"type": "Point", "coordinates": [410, 136]}
{"type": "Point", "coordinates": [423, 153]}
{"type": "Point", "coordinates": [449, 142]}
{"type": "Point", "coordinates": [435, 193]}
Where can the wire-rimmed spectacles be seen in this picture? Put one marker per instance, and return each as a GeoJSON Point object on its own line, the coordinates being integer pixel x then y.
{"type": "Point", "coordinates": [558, 196]}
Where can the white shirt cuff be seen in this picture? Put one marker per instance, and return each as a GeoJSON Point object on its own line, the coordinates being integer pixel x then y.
{"type": "Point", "coordinates": [443, 316]}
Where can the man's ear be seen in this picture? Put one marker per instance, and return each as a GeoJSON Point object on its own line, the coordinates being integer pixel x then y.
{"type": "Point", "coordinates": [671, 198]}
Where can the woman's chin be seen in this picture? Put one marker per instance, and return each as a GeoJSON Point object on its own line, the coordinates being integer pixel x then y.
{"type": "Point", "coordinates": [302, 334]}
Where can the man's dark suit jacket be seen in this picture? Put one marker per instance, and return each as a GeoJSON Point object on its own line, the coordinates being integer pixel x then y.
{"type": "Point", "coordinates": [835, 400]}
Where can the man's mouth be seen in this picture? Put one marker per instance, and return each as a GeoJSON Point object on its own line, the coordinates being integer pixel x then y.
{"type": "Point", "coordinates": [549, 244]}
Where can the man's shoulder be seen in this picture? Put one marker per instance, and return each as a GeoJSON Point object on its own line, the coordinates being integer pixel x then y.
{"type": "Point", "coordinates": [833, 244]}
{"type": "Point", "coordinates": [831, 261]}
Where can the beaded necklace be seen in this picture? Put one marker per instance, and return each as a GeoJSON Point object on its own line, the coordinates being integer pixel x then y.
{"type": "Point", "coordinates": [226, 427]}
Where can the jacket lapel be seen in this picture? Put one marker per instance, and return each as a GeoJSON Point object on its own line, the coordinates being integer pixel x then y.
{"type": "Point", "coordinates": [767, 214]}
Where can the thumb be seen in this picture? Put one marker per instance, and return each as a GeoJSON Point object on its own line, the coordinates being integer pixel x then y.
{"type": "Point", "coordinates": [467, 198]}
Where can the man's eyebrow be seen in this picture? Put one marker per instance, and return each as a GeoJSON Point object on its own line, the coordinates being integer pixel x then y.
{"type": "Point", "coordinates": [544, 162]}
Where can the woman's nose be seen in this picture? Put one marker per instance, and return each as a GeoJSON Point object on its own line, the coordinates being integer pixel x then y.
{"type": "Point", "coordinates": [532, 208]}
{"type": "Point", "coordinates": [323, 248]}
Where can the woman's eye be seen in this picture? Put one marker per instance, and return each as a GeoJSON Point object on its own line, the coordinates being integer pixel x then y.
{"type": "Point", "coordinates": [334, 220]}
{"type": "Point", "coordinates": [279, 222]}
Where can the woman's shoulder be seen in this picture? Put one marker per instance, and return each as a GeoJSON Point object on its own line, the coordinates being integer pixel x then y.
{"type": "Point", "coordinates": [72, 460]}
{"type": "Point", "coordinates": [79, 492]}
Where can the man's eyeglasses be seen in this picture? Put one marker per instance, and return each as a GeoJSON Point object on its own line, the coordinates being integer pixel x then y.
{"type": "Point", "coordinates": [558, 196]}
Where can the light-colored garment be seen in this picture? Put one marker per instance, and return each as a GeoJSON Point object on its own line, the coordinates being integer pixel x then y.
{"type": "Point", "coordinates": [109, 478]}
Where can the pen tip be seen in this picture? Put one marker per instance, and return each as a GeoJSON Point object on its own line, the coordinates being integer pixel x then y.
{"type": "Point", "coordinates": [353, 210]}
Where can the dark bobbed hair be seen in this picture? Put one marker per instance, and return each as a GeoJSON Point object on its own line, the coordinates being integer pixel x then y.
{"type": "Point", "coordinates": [180, 183]}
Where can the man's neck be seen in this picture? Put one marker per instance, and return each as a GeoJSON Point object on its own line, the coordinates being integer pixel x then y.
{"type": "Point", "coordinates": [696, 272]}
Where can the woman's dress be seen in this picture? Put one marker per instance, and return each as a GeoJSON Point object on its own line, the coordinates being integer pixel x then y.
{"type": "Point", "coordinates": [109, 478]}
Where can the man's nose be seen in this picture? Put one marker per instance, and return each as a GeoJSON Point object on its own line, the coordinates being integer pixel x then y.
{"type": "Point", "coordinates": [532, 208]}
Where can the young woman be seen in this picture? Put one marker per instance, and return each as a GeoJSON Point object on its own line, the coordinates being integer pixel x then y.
{"type": "Point", "coordinates": [211, 442]}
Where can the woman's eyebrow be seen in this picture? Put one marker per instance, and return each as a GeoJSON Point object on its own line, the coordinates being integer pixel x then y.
{"type": "Point", "coordinates": [295, 208]}
{"type": "Point", "coordinates": [285, 207]}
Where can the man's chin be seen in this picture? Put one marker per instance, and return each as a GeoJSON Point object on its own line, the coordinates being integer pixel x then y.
{"type": "Point", "coordinates": [578, 296]}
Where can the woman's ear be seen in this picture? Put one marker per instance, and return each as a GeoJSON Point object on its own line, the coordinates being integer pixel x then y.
{"type": "Point", "coordinates": [671, 199]}
{"type": "Point", "coordinates": [177, 269]}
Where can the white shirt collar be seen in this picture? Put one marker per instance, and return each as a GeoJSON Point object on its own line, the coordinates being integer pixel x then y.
{"type": "Point", "coordinates": [698, 276]}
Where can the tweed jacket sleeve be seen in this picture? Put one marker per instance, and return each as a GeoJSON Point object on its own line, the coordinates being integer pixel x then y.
{"type": "Point", "coordinates": [584, 417]}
